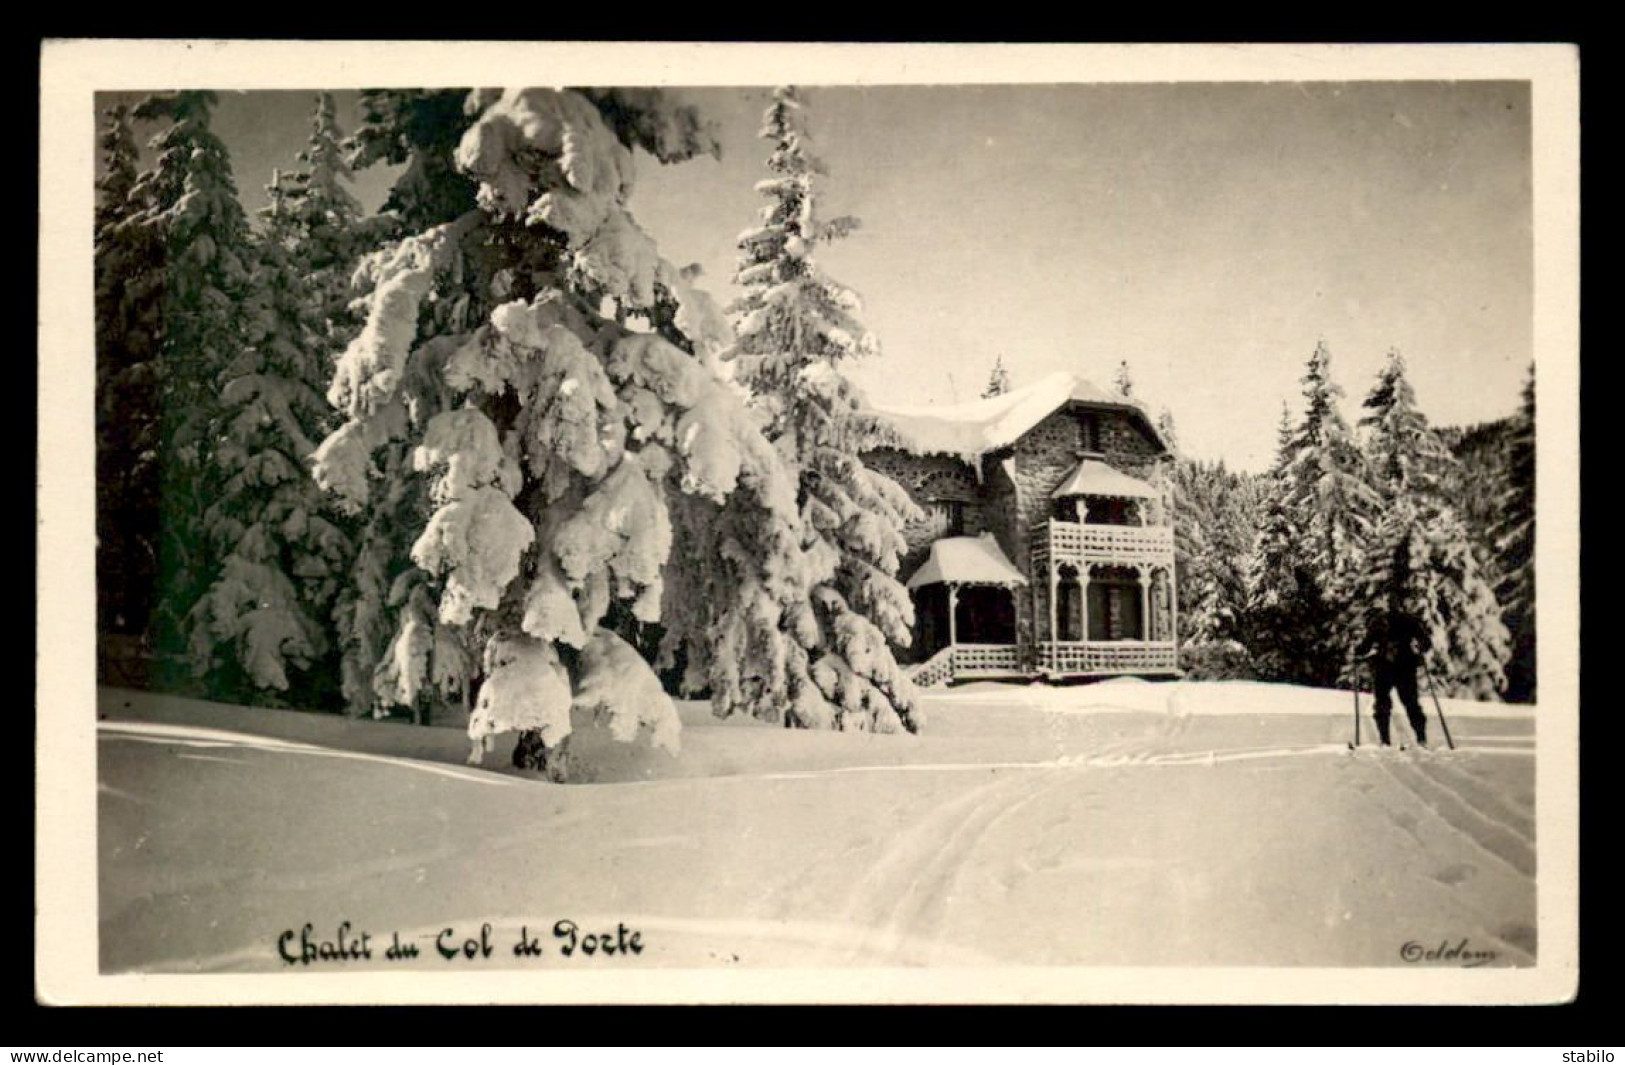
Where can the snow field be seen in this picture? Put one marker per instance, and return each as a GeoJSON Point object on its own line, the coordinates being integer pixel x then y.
{"type": "Point", "coordinates": [1006, 833]}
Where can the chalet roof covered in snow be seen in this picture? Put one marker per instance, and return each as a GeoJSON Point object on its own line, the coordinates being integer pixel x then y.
{"type": "Point", "coordinates": [1095, 478]}
{"type": "Point", "coordinates": [983, 425]}
{"type": "Point", "coordinates": [967, 560]}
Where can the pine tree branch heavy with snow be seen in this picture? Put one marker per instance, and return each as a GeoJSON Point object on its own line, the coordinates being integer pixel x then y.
{"type": "Point", "coordinates": [797, 329]}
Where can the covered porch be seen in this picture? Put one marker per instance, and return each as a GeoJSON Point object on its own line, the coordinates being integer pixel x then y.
{"type": "Point", "coordinates": [1100, 618]}
{"type": "Point", "coordinates": [965, 611]}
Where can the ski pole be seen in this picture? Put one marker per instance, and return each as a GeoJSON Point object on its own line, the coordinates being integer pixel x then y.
{"type": "Point", "coordinates": [1356, 708]}
{"type": "Point", "coordinates": [1438, 709]}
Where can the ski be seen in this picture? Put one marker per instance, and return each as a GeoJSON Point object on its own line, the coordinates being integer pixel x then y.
{"type": "Point", "coordinates": [1406, 751]}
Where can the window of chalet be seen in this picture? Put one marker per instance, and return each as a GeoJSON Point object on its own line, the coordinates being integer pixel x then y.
{"type": "Point", "coordinates": [949, 516]}
{"type": "Point", "coordinates": [1089, 432]}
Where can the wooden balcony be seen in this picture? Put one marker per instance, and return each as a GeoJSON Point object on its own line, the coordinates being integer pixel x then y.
{"type": "Point", "coordinates": [1076, 542]}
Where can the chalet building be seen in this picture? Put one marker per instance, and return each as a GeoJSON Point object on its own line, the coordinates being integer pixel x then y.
{"type": "Point", "coordinates": [1047, 549]}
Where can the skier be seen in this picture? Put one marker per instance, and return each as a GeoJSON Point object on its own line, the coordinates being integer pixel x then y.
{"type": "Point", "coordinates": [1393, 646]}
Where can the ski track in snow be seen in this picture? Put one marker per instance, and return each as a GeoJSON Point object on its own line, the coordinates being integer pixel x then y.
{"type": "Point", "coordinates": [1491, 827]}
{"type": "Point", "coordinates": [1125, 753]}
{"type": "Point", "coordinates": [1495, 825]}
{"type": "Point", "coordinates": [905, 894]}
{"type": "Point", "coordinates": [903, 897]}
{"type": "Point", "coordinates": [921, 905]}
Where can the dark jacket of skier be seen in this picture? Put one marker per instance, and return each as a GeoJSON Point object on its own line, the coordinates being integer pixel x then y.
{"type": "Point", "coordinates": [1393, 646]}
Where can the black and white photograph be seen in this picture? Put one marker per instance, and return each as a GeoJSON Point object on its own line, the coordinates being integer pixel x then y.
{"type": "Point", "coordinates": [789, 523]}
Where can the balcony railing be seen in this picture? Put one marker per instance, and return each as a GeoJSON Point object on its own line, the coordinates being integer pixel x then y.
{"type": "Point", "coordinates": [967, 661]}
{"type": "Point", "coordinates": [971, 661]}
{"type": "Point", "coordinates": [984, 659]}
{"type": "Point", "coordinates": [1073, 541]}
{"type": "Point", "coordinates": [1117, 656]}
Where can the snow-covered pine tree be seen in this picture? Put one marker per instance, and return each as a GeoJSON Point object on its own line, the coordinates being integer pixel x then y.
{"type": "Point", "coordinates": [1281, 598]}
{"type": "Point", "coordinates": [797, 329]}
{"type": "Point", "coordinates": [1272, 580]}
{"type": "Point", "coordinates": [189, 203]}
{"type": "Point", "coordinates": [1191, 548]}
{"type": "Point", "coordinates": [129, 269]}
{"type": "Point", "coordinates": [1515, 549]}
{"type": "Point", "coordinates": [263, 623]}
{"type": "Point", "coordinates": [120, 169]}
{"type": "Point", "coordinates": [574, 465]}
{"type": "Point", "coordinates": [1167, 430]}
{"type": "Point", "coordinates": [1331, 506]}
{"type": "Point", "coordinates": [324, 224]}
{"type": "Point", "coordinates": [1406, 457]}
{"type": "Point", "coordinates": [998, 382]}
{"type": "Point", "coordinates": [1420, 557]}
{"type": "Point", "coordinates": [1122, 382]}
{"type": "Point", "coordinates": [1215, 521]}
{"type": "Point", "coordinates": [1270, 632]}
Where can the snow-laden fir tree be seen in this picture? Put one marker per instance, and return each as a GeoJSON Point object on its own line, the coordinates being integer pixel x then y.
{"type": "Point", "coordinates": [1217, 514]}
{"type": "Point", "coordinates": [998, 381]}
{"type": "Point", "coordinates": [1420, 557]}
{"type": "Point", "coordinates": [1514, 544]}
{"type": "Point", "coordinates": [1288, 612]}
{"type": "Point", "coordinates": [1282, 598]}
{"type": "Point", "coordinates": [797, 330]}
{"type": "Point", "coordinates": [323, 224]}
{"type": "Point", "coordinates": [1405, 456]}
{"type": "Point", "coordinates": [1215, 522]}
{"type": "Point", "coordinates": [261, 631]}
{"type": "Point", "coordinates": [1328, 502]}
{"type": "Point", "coordinates": [129, 269]}
{"type": "Point", "coordinates": [576, 468]}
{"type": "Point", "coordinates": [1326, 475]}
{"type": "Point", "coordinates": [189, 204]}
{"type": "Point", "coordinates": [1167, 430]}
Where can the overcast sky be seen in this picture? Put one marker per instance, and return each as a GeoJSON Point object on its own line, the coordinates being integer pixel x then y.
{"type": "Point", "coordinates": [1209, 234]}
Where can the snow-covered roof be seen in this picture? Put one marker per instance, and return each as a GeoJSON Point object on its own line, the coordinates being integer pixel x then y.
{"type": "Point", "coordinates": [966, 560]}
{"type": "Point", "coordinates": [983, 425]}
{"type": "Point", "coordinates": [1095, 478]}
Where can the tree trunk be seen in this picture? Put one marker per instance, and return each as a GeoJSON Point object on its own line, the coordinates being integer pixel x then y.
{"type": "Point", "coordinates": [531, 753]}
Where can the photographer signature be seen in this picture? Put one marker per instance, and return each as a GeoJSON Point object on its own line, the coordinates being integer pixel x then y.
{"type": "Point", "coordinates": [1458, 953]}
